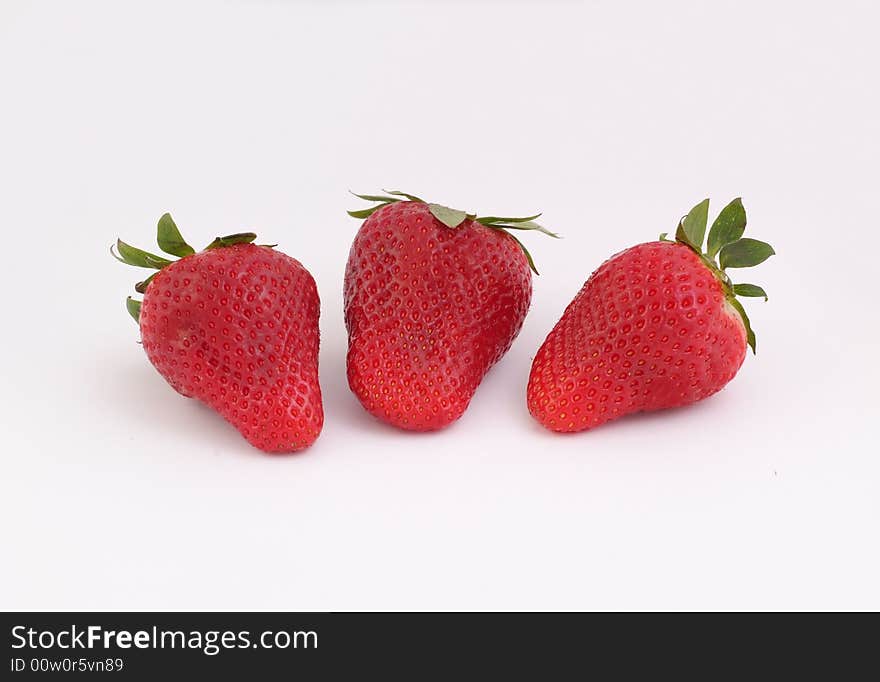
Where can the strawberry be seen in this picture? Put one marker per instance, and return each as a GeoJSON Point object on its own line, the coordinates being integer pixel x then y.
{"type": "Point", "coordinates": [656, 326]}
{"type": "Point", "coordinates": [235, 326]}
{"type": "Point", "coordinates": [433, 298]}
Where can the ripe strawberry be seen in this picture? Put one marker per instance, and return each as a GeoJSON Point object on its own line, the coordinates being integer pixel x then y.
{"type": "Point", "coordinates": [433, 298]}
{"type": "Point", "coordinates": [235, 326]}
{"type": "Point", "coordinates": [656, 326]}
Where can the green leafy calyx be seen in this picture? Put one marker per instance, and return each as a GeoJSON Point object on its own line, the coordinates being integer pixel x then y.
{"type": "Point", "coordinates": [726, 242]}
{"type": "Point", "coordinates": [454, 218]}
{"type": "Point", "coordinates": [171, 242]}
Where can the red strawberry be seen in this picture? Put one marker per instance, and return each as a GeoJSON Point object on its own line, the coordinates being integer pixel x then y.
{"type": "Point", "coordinates": [656, 326]}
{"type": "Point", "coordinates": [235, 326]}
{"type": "Point", "coordinates": [433, 298]}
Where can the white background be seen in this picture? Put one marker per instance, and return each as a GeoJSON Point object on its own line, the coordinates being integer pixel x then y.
{"type": "Point", "coordinates": [614, 119]}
